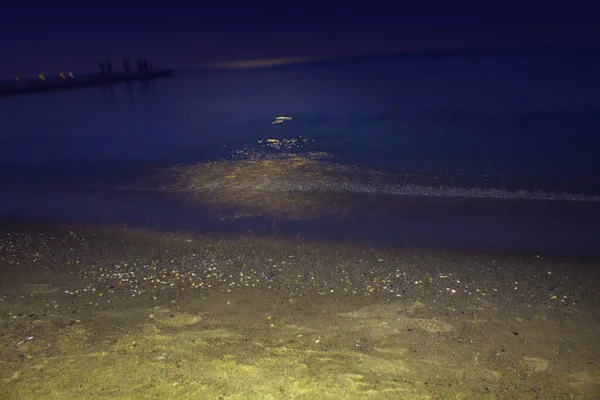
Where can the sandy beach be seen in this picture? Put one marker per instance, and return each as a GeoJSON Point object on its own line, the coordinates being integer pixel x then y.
{"type": "Point", "coordinates": [94, 311]}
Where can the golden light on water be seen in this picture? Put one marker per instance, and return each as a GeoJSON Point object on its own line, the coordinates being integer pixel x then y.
{"type": "Point", "coordinates": [288, 186]}
{"type": "Point", "coordinates": [283, 143]}
{"type": "Point", "coordinates": [284, 179]}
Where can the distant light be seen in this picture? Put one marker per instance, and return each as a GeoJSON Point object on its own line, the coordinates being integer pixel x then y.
{"type": "Point", "coordinates": [71, 75]}
{"type": "Point", "coordinates": [62, 75]}
{"type": "Point", "coordinates": [258, 63]}
{"type": "Point", "coordinates": [18, 79]}
{"type": "Point", "coordinates": [41, 77]}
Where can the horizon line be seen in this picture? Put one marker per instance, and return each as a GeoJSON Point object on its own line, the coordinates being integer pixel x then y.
{"type": "Point", "coordinates": [252, 63]}
{"type": "Point", "coordinates": [273, 62]}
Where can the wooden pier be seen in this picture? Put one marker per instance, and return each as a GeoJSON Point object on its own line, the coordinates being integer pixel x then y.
{"type": "Point", "coordinates": [68, 81]}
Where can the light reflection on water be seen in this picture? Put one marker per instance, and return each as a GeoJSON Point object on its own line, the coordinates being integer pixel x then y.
{"type": "Point", "coordinates": [283, 187]}
{"type": "Point", "coordinates": [282, 178]}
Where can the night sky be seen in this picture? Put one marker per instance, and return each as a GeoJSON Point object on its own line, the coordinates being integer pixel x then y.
{"type": "Point", "coordinates": [63, 36]}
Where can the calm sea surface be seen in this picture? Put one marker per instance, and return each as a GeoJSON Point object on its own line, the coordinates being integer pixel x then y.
{"type": "Point", "coordinates": [496, 151]}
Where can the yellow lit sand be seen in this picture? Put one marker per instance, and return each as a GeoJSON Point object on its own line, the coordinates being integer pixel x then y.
{"type": "Point", "coordinates": [91, 312]}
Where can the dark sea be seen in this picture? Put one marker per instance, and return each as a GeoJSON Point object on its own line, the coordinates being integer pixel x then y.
{"type": "Point", "coordinates": [488, 151]}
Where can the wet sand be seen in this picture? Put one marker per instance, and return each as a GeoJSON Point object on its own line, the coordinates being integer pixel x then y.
{"type": "Point", "coordinates": [110, 312]}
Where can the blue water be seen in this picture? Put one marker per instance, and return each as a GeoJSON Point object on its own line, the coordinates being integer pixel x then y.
{"type": "Point", "coordinates": [520, 121]}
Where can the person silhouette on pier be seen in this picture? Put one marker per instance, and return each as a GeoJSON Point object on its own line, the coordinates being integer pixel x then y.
{"type": "Point", "coordinates": [108, 67]}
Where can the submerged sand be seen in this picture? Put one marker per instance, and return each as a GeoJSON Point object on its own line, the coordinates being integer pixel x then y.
{"type": "Point", "coordinates": [109, 312]}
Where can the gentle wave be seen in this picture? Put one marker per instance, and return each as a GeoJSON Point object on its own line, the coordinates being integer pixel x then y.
{"type": "Point", "coordinates": [314, 173]}
{"type": "Point", "coordinates": [404, 190]}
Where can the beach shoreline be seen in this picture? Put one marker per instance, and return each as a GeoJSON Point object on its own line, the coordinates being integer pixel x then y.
{"type": "Point", "coordinates": [490, 225]}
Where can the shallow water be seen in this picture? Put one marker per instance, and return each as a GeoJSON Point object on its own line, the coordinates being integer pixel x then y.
{"type": "Point", "coordinates": [202, 147]}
